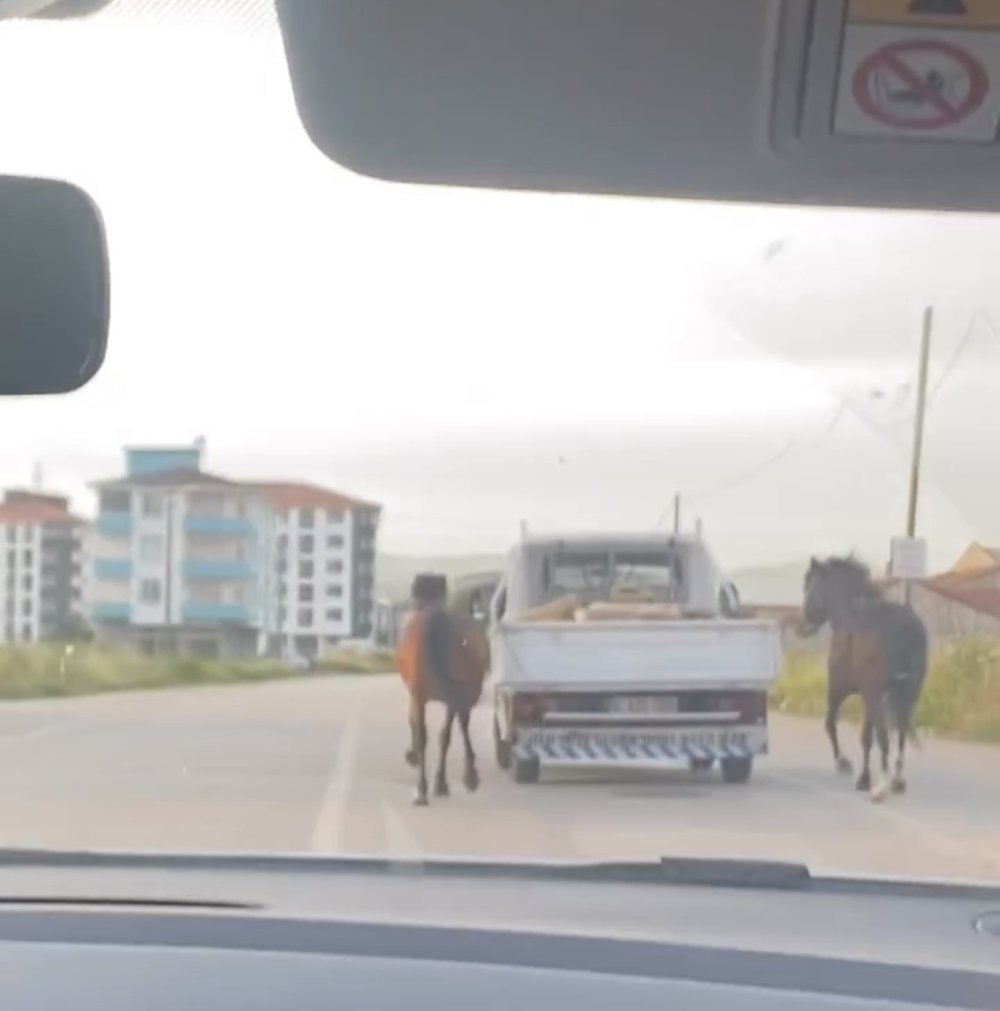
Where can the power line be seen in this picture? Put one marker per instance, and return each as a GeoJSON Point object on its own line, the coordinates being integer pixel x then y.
{"type": "Point", "coordinates": [960, 349]}
{"type": "Point", "coordinates": [746, 477]}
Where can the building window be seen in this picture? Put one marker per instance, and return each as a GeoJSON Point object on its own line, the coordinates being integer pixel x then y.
{"type": "Point", "coordinates": [334, 590]}
{"type": "Point", "coordinates": [11, 559]}
{"type": "Point", "coordinates": [29, 557]}
{"type": "Point", "coordinates": [151, 548]}
{"type": "Point", "coordinates": [282, 543]}
{"type": "Point", "coordinates": [150, 591]}
{"type": "Point", "coordinates": [152, 504]}
{"type": "Point", "coordinates": [306, 570]}
{"type": "Point", "coordinates": [28, 583]}
{"type": "Point", "coordinates": [335, 614]}
{"type": "Point", "coordinates": [115, 501]}
{"type": "Point", "coordinates": [305, 594]}
{"type": "Point", "coordinates": [305, 617]}
{"type": "Point", "coordinates": [307, 543]}
{"type": "Point", "coordinates": [282, 616]}
{"type": "Point", "coordinates": [26, 608]}
{"type": "Point", "coordinates": [334, 516]}
{"type": "Point", "coordinates": [9, 633]}
{"type": "Point", "coordinates": [26, 633]}
{"type": "Point", "coordinates": [307, 518]}
{"type": "Point", "coordinates": [202, 503]}
{"type": "Point", "coordinates": [335, 541]}
{"type": "Point", "coordinates": [335, 566]}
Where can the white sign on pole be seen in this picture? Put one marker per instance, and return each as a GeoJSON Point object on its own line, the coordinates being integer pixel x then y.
{"type": "Point", "coordinates": [908, 558]}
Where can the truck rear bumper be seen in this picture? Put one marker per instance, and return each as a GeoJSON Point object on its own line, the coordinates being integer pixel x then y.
{"type": "Point", "coordinates": [626, 746]}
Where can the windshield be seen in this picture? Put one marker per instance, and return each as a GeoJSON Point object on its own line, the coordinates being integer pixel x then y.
{"type": "Point", "coordinates": [321, 387]}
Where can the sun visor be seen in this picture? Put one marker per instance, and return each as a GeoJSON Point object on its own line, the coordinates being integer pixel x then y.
{"type": "Point", "coordinates": [889, 103]}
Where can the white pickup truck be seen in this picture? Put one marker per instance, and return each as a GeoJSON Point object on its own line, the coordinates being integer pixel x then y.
{"type": "Point", "coordinates": [590, 687]}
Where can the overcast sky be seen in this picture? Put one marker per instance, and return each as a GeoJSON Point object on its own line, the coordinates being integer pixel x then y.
{"type": "Point", "coordinates": [474, 358]}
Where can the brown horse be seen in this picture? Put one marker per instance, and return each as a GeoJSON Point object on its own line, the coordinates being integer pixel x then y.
{"type": "Point", "coordinates": [443, 657]}
{"type": "Point", "coordinates": [878, 651]}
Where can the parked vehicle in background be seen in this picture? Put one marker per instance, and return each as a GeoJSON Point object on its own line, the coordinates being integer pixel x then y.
{"type": "Point", "coordinates": [611, 649]}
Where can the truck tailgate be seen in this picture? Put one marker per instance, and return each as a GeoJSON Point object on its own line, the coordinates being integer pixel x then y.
{"type": "Point", "coordinates": [618, 655]}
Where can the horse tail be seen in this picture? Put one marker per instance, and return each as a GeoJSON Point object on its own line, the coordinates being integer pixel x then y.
{"type": "Point", "coordinates": [437, 650]}
{"type": "Point", "coordinates": [907, 676]}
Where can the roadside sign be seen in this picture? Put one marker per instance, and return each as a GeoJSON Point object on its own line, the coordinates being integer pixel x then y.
{"type": "Point", "coordinates": [908, 558]}
{"type": "Point", "coordinates": [921, 83]}
{"type": "Point", "coordinates": [931, 13]}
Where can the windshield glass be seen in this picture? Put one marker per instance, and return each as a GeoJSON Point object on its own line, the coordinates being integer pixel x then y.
{"type": "Point", "coordinates": [321, 388]}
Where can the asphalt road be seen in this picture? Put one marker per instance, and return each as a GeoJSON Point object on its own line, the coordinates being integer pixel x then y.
{"type": "Point", "coordinates": [316, 765]}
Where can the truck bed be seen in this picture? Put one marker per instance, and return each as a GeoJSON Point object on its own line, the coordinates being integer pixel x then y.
{"type": "Point", "coordinates": [636, 654]}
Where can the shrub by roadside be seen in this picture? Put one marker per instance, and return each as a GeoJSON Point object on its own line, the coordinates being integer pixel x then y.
{"type": "Point", "coordinates": [48, 671]}
{"type": "Point", "coordinates": [961, 698]}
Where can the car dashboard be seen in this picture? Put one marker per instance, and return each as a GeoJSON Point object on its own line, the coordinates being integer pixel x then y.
{"type": "Point", "coordinates": [86, 932]}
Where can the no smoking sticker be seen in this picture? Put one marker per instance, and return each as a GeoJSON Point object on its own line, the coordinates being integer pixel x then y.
{"type": "Point", "coordinates": [928, 85]}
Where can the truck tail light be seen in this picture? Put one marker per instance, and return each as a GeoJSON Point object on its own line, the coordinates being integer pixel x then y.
{"type": "Point", "coordinates": [528, 708]}
{"type": "Point", "coordinates": [752, 706]}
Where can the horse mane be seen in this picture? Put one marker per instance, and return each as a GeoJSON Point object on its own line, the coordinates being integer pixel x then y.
{"type": "Point", "coordinates": [850, 565]}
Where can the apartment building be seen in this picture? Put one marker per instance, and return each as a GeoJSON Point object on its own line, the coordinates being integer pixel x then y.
{"type": "Point", "coordinates": [181, 558]}
{"type": "Point", "coordinates": [40, 567]}
{"type": "Point", "coordinates": [184, 560]}
{"type": "Point", "coordinates": [324, 565]}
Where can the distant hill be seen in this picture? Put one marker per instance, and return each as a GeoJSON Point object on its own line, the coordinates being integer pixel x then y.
{"type": "Point", "coordinates": [768, 584]}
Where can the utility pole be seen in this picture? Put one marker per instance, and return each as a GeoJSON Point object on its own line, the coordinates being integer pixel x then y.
{"type": "Point", "coordinates": [918, 429]}
{"type": "Point", "coordinates": [677, 514]}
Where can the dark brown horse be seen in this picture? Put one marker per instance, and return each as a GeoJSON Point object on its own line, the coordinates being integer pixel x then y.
{"type": "Point", "coordinates": [878, 650]}
{"type": "Point", "coordinates": [443, 657]}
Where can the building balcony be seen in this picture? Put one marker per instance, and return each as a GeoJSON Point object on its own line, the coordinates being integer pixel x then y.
{"type": "Point", "coordinates": [111, 611]}
{"type": "Point", "coordinates": [217, 570]}
{"type": "Point", "coordinates": [113, 570]}
{"type": "Point", "coordinates": [114, 524]}
{"type": "Point", "coordinates": [204, 613]}
{"type": "Point", "coordinates": [238, 526]}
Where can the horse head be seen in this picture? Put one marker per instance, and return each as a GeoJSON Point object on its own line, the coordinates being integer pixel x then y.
{"type": "Point", "coordinates": [831, 588]}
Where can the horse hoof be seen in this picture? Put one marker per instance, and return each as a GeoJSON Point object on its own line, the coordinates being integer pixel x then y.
{"type": "Point", "coordinates": [441, 789]}
{"type": "Point", "coordinates": [864, 782]}
{"type": "Point", "coordinates": [411, 758]}
{"type": "Point", "coordinates": [844, 767]}
{"type": "Point", "coordinates": [471, 780]}
{"type": "Point", "coordinates": [878, 793]}
{"type": "Point", "coordinates": [420, 798]}
{"type": "Point", "coordinates": [898, 785]}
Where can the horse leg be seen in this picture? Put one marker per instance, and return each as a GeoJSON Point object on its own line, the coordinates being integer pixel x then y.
{"type": "Point", "coordinates": [875, 723]}
{"type": "Point", "coordinates": [898, 784]}
{"type": "Point", "coordinates": [441, 776]}
{"type": "Point", "coordinates": [471, 776]}
{"type": "Point", "coordinates": [420, 742]}
{"type": "Point", "coordinates": [834, 700]}
{"type": "Point", "coordinates": [867, 734]}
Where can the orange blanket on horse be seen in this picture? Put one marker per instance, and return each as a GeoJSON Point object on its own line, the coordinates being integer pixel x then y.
{"type": "Point", "coordinates": [468, 659]}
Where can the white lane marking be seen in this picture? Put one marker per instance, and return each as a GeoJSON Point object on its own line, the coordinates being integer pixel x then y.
{"type": "Point", "coordinates": [401, 843]}
{"type": "Point", "coordinates": [328, 833]}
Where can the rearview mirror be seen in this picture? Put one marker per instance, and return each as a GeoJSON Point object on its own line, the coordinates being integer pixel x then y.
{"type": "Point", "coordinates": [54, 287]}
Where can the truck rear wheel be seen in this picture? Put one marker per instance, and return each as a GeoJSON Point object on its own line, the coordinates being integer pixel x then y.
{"type": "Point", "coordinates": [737, 770]}
{"type": "Point", "coordinates": [501, 747]}
{"type": "Point", "coordinates": [527, 770]}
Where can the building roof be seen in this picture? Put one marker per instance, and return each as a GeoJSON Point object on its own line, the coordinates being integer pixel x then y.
{"type": "Point", "coordinates": [985, 599]}
{"type": "Point", "coordinates": [39, 511]}
{"type": "Point", "coordinates": [186, 476]}
{"type": "Point", "coordinates": [301, 495]}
